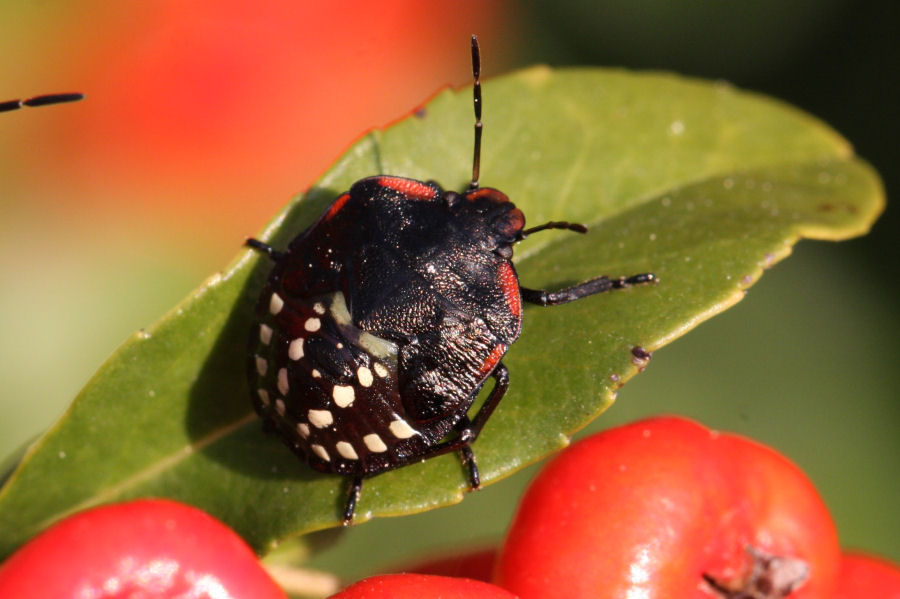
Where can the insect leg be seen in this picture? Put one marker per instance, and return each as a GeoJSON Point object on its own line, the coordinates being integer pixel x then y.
{"type": "Point", "coordinates": [501, 375]}
{"type": "Point", "coordinates": [271, 252]}
{"type": "Point", "coordinates": [468, 430]}
{"type": "Point", "coordinates": [468, 460]}
{"type": "Point", "coordinates": [592, 287]}
{"type": "Point", "coordinates": [353, 493]}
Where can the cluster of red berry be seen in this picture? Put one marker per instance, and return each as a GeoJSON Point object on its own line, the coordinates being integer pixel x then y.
{"type": "Point", "coordinates": [659, 508]}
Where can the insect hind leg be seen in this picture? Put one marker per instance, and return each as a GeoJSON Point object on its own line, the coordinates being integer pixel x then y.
{"type": "Point", "coordinates": [603, 284]}
{"type": "Point", "coordinates": [353, 493]}
{"type": "Point", "coordinates": [468, 430]}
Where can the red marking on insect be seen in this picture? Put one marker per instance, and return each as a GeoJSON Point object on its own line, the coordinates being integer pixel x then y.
{"type": "Point", "coordinates": [509, 282]}
{"type": "Point", "coordinates": [336, 207]}
{"type": "Point", "coordinates": [497, 196]}
{"type": "Point", "coordinates": [408, 187]}
{"type": "Point", "coordinates": [493, 359]}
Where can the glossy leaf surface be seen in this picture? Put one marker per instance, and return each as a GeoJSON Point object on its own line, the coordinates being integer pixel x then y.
{"type": "Point", "coordinates": [699, 183]}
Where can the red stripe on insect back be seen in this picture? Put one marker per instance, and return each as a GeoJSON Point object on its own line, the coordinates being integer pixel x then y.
{"type": "Point", "coordinates": [491, 362]}
{"type": "Point", "coordinates": [336, 206]}
{"type": "Point", "coordinates": [408, 187]}
{"type": "Point", "coordinates": [509, 284]}
{"type": "Point", "coordinates": [489, 192]}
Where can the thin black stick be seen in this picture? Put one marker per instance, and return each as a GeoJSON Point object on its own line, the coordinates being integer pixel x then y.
{"type": "Point", "coordinates": [40, 101]}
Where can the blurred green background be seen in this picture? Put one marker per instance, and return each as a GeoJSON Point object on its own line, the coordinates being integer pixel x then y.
{"type": "Point", "coordinates": [201, 121]}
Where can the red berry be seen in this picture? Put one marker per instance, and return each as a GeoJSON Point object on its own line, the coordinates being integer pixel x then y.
{"type": "Point", "coordinates": [152, 549]}
{"type": "Point", "coordinates": [867, 577]}
{"type": "Point", "coordinates": [667, 508]}
{"type": "Point", "coordinates": [421, 586]}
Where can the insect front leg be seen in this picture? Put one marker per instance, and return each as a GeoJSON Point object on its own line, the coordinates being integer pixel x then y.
{"type": "Point", "coordinates": [542, 297]}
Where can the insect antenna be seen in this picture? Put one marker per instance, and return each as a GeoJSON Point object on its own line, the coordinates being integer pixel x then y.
{"type": "Point", "coordinates": [576, 227]}
{"type": "Point", "coordinates": [476, 102]}
{"type": "Point", "coordinates": [40, 101]}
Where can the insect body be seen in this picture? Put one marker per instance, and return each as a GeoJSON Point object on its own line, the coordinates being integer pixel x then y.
{"type": "Point", "coordinates": [380, 324]}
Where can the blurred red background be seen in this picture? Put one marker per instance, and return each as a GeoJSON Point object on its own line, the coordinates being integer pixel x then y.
{"type": "Point", "coordinates": [201, 121]}
{"type": "Point", "coordinates": [210, 115]}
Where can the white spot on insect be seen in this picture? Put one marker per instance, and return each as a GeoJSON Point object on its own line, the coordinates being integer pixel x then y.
{"type": "Point", "coordinates": [312, 324]}
{"type": "Point", "coordinates": [261, 365]}
{"type": "Point", "coordinates": [319, 308]}
{"type": "Point", "coordinates": [279, 406]}
{"type": "Point", "coordinates": [265, 334]}
{"type": "Point", "coordinates": [346, 450]}
{"type": "Point", "coordinates": [402, 429]}
{"type": "Point", "coordinates": [295, 349]}
{"type": "Point", "coordinates": [303, 429]}
{"type": "Point", "coordinates": [374, 443]}
{"type": "Point", "coordinates": [315, 373]}
{"type": "Point", "coordinates": [320, 418]}
{"type": "Point", "coordinates": [380, 370]}
{"type": "Point", "coordinates": [343, 395]}
{"type": "Point", "coordinates": [365, 376]}
{"type": "Point", "coordinates": [381, 348]}
{"type": "Point", "coordinates": [339, 345]}
{"type": "Point", "coordinates": [339, 312]}
{"type": "Point", "coordinates": [263, 396]}
{"type": "Point", "coordinates": [276, 304]}
{"type": "Point", "coordinates": [283, 381]}
{"type": "Point", "coordinates": [320, 451]}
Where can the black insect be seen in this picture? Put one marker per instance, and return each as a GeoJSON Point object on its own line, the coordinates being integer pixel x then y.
{"type": "Point", "coordinates": [40, 101]}
{"type": "Point", "coordinates": [381, 322]}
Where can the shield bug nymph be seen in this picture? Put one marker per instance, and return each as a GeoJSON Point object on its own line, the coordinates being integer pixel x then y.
{"type": "Point", "coordinates": [381, 322]}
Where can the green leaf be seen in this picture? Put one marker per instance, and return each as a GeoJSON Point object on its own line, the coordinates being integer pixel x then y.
{"type": "Point", "coordinates": [699, 183]}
